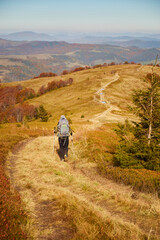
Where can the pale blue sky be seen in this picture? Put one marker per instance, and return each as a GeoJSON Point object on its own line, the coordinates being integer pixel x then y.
{"type": "Point", "coordinates": [82, 15]}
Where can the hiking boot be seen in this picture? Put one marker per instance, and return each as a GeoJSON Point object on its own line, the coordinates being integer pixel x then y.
{"type": "Point", "coordinates": [66, 157]}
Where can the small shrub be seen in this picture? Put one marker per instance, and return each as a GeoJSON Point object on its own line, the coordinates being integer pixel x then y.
{"type": "Point", "coordinates": [140, 179]}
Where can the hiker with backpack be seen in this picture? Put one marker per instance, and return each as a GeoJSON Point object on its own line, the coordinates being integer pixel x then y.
{"type": "Point", "coordinates": [63, 133]}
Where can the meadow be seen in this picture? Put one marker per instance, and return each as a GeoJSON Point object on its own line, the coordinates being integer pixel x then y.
{"type": "Point", "coordinates": [91, 198]}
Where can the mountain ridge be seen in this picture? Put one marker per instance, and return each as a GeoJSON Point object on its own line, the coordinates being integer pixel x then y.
{"type": "Point", "coordinates": [147, 40]}
{"type": "Point", "coordinates": [38, 47]}
{"type": "Point", "coordinates": [24, 59]}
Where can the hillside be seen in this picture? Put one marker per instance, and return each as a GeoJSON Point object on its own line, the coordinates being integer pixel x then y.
{"type": "Point", "coordinates": [142, 41]}
{"type": "Point", "coordinates": [23, 60]}
{"type": "Point", "coordinates": [85, 197]}
{"type": "Point", "coordinates": [96, 96]}
{"type": "Point", "coordinates": [61, 47]}
{"type": "Point", "coordinates": [82, 98]}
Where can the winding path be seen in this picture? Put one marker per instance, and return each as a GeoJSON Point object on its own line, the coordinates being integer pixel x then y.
{"type": "Point", "coordinates": [107, 115]}
{"type": "Point", "coordinates": [46, 184]}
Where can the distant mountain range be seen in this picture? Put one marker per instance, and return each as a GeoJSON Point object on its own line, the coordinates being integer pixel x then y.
{"type": "Point", "coordinates": [143, 41]}
{"type": "Point", "coordinates": [20, 60]}
{"type": "Point", "coordinates": [123, 41]}
{"type": "Point", "coordinates": [84, 53]}
{"type": "Point", "coordinates": [28, 36]}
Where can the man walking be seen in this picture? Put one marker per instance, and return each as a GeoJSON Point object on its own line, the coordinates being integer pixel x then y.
{"type": "Point", "coordinates": [63, 133]}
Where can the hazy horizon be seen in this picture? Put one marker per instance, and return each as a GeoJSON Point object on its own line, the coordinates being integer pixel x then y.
{"type": "Point", "coordinates": [105, 33]}
{"type": "Point", "coordinates": [93, 17]}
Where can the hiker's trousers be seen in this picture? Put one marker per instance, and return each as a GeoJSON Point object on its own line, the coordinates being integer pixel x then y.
{"type": "Point", "coordinates": [63, 146]}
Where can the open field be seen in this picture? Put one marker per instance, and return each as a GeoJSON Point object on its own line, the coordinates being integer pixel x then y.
{"type": "Point", "coordinates": [96, 209]}
{"type": "Point", "coordinates": [78, 99]}
{"type": "Point", "coordinates": [81, 101]}
{"type": "Point", "coordinates": [75, 199]}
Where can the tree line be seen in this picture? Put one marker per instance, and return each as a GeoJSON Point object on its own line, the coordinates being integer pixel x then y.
{"type": "Point", "coordinates": [13, 106]}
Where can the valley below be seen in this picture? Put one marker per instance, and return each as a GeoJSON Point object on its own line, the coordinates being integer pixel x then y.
{"type": "Point", "coordinates": [21, 60]}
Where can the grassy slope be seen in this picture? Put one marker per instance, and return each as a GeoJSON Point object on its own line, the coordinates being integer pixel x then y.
{"type": "Point", "coordinates": [96, 207]}
{"type": "Point", "coordinates": [74, 101]}
{"type": "Point", "coordinates": [77, 99]}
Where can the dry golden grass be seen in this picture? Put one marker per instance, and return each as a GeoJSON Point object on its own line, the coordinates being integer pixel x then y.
{"type": "Point", "coordinates": [79, 98]}
{"type": "Point", "coordinates": [96, 209]}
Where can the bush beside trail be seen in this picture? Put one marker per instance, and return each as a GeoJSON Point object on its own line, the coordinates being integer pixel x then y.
{"type": "Point", "coordinates": [13, 218]}
{"type": "Point", "coordinates": [140, 179]}
{"type": "Point", "coordinates": [99, 146]}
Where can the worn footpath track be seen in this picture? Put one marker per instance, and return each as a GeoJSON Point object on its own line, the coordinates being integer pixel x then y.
{"type": "Point", "coordinates": [110, 114]}
{"type": "Point", "coordinates": [53, 191]}
{"type": "Point", "coordinates": [43, 181]}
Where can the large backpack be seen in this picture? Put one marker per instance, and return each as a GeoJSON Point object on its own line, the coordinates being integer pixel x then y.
{"type": "Point", "coordinates": [64, 129]}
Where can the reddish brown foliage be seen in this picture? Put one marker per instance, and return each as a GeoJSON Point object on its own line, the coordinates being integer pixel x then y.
{"type": "Point", "coordinates": [42, 90]}
{"type": "Point", "coordinates": [46, 74]}
{"type": "Point", "coordinates": [149, 76]}
{"type": "Point", "coordinates": [78, 69]}
{"type": "Point", "coordinates": [111, 64]}
{"type": "Point", "coordinates": [16, 113]}
{"type": "Point", "coordinates": [25, 94]}
{"type": "Point", "coordinates": [8, 96]}
{"type": "Point", "coordinates": [53, 85]}
{"type": "Point", "coordinates": [12, 106]}
{"type": "Point", "coordinates": [12, 215]}
{"type": "Point", "coordinates": [10, 110]}
{"type": "Point", "coordinates": [141, 179]}
{"type": "Point", "coordinates": [97, 66]}
{"type": "Point", "coordinates": [64, 72]}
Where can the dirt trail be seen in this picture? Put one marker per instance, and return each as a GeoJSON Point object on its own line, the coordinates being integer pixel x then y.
{"type": "Point", "coordinates": [38, 175]}
{"type": "Point", "coordinates": [111, 112]}
{"type": "Point", "coordinates": [47, 219]}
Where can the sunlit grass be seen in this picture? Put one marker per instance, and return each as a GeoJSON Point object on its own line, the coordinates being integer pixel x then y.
{"type": "Point", "coordinates": [78, 99]}
{"type": "Point", "coordinates": [39, 171]}
{"type": "Point", "coordinates": [88, 200]}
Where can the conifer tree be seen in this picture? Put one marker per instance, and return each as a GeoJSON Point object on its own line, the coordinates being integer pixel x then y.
{"type": "Point", "coordinates": [147, 104]}
{"type": "Point", "coordinates": [140, 142]}
{"type": "Point", "coordinates": [42, 113]}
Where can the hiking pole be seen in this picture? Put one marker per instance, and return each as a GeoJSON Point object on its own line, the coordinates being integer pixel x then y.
{"type": "Point", "coordinates": [54, 138]}
{"type": "Point", "coordinates": [53, 141]}
{"type": "Point", "coordinates": [73, 153]}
